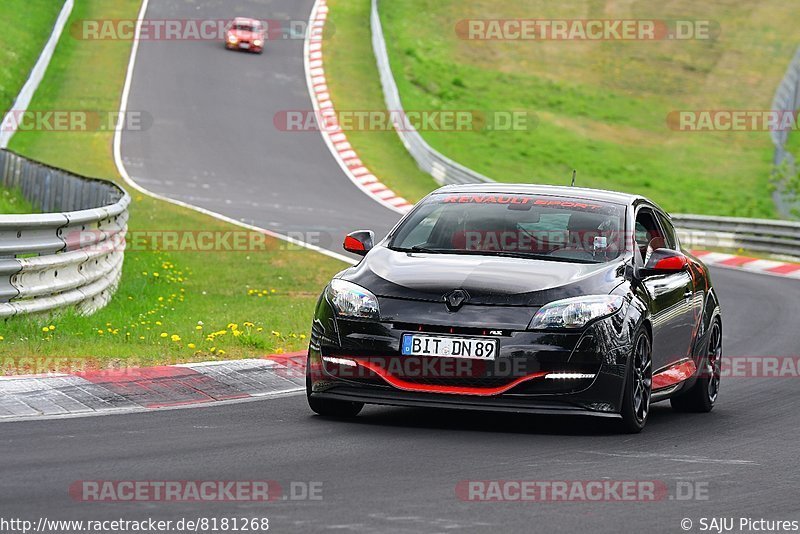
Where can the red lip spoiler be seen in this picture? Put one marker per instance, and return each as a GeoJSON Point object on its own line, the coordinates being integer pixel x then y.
{"type": "Point", "coordinates": [405, 385]}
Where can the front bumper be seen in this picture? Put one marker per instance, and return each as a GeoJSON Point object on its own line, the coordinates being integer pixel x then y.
{"type": "Point", "coordinates": [361, 361]}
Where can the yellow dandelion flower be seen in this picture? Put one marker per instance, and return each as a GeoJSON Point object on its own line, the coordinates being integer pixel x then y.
{"type": "Point", "coordinates": [51, 327]}
{"type": "Point", "coordinates": [192, 346]}
{"type": "Point", "coordinates": [220, 352]}
{"type": "Point", "coordinates": [175, 337]}
{"type": "Point", "coordinates": [164, 334]}
{"type": "Point", "coordinates": [198, 327]}
{"type": "Point", "coordinates": [45, 329]}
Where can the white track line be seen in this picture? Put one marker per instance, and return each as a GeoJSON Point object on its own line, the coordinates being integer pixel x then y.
{"type": "Point", "coordinates": [123, 106]}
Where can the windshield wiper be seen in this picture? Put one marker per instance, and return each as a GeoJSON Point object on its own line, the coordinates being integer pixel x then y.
{"type": "Point", "coordinates": [417, 248]}
{"type": "Point", "coordinates": [526, 255]}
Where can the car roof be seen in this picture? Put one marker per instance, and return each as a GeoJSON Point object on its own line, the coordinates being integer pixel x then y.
{"type": "Point", "coordinates": [582, 193]}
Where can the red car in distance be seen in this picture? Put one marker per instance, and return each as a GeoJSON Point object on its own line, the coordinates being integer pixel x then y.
{"type": "Point", "coordinates": [245, 34]}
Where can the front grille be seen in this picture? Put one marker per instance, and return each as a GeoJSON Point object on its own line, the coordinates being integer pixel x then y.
{"type": "Point", "coordinates": [458, 330]}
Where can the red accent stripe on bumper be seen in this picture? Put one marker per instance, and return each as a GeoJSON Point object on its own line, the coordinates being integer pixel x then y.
{"type": "Point", "coordinates": [675, 374]}
{"type": "Point", "coordinates": [405, 385]}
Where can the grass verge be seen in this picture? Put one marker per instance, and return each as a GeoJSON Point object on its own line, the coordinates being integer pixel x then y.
{"type": "Point", "coordinates": [27, 25]}
{"type": "Point", "coordinates": [170, 306]}
{"type": "Point", "coordinates": [601, 107]}
{"type": "Point", "coordinates": [13, 203]}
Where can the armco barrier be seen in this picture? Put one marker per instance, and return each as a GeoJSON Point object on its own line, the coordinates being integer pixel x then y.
{"type": "Point", "coordinates": [69, 255]}
{"type": "Point", "coordinates": [757, 235]}
{"type": "Point", "coordinates": [777, 237]}
{"type": "Point", "coordinates": [443, 169]}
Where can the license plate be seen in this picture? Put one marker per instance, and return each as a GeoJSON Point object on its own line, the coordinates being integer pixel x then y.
{"type": "Point", "coordinates": [449, 347]}
{"type": "Point", "coordinates": [244, 45]}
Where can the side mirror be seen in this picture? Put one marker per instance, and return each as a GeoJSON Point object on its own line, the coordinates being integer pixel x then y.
{"type": "Point", "coordinates": [359, 242]}
{"type": "Point", "coordinates": [665, 261]}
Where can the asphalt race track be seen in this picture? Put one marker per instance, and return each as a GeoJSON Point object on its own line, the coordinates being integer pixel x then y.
{"type": "Point", "coordinates": [392, 469]}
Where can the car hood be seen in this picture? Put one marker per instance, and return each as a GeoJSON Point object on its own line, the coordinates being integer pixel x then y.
{"type": "Point", "coordinates": [487, 279]}
{"type": "Point", "coordinates": [245, 35]}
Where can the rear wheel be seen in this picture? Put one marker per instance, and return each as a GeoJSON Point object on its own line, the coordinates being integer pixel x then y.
{"type": "Point", "coordinates": [638, 386]}
{"type": "Point", "coordinates": [329, 407]}
{"type": "Point", "coordinates": [702, 396]}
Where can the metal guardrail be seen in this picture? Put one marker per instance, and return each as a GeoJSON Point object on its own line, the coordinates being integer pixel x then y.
{"type": "Point", "coordinates": [775, 237]}
{"type": "Point", "coordinates": [443, 169]}
{"type": "Point", "coordinates": [787, 97]}
{"type": "Point", "coordinates": [69, 255]}
{"type": "Point", "coordinates": [757, 235]}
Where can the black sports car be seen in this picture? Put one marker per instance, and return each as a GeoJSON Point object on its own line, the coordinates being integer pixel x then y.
{"type": "Point", "coordinates": [520, 298]}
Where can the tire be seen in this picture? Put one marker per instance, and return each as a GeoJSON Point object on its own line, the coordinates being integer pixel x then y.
{"type": "Point", "coordinates": [638, 385]}
{"type": "Point", "coordinates": [702, 396]}
{"type": "Point", "coordinates": [329, 407]}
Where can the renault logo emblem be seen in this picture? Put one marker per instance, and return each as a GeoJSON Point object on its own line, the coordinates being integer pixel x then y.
{"type": "Point", "coordinates": [455, 299]}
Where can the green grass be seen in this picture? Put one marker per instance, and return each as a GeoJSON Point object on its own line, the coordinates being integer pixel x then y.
{"type": "Point", "coordinates": [13, 203]}
{"type": "Point", "coordinates": [27, 25]}
{"type": "Point", "coordinates": [601, 107]}
{"type": "Point", "coordinates": [268, 295]}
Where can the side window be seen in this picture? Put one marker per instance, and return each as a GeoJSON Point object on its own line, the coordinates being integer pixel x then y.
{"type": "Point", "coordinates": [647, 229]}
{"type": "Point", "coordinates": [670, 236]}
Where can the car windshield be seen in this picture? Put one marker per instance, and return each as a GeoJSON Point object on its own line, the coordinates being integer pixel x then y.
{"type": "Point", "coordinates": [537, 226]}
{"type": "Point", "coordinates": [245, 27]}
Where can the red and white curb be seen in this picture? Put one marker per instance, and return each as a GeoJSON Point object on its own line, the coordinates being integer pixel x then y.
{"type": "Point", "coordinates": [746, 263]}
{"type": "Point", "coordinates": [108, 391]}
{"type": "Point", "coordinates": [333, 135]}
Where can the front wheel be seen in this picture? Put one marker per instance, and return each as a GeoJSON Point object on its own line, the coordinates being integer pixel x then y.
{"type": "Point", "coordinates": [702, 396]}
{"type": "Point", "coordinates": [330, 407]}
{"type": "Point", "coordinates": [638, 386]}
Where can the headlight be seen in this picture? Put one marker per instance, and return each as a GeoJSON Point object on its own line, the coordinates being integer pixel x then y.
{"type": "Point", "coordinates": [232, 38]}
{"type": "Point", "coordinates": [350, 300]}
{"type": "Point", "coordinates": [575, 312]}
{"type": "Point", "coordinates": [258, 42]}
